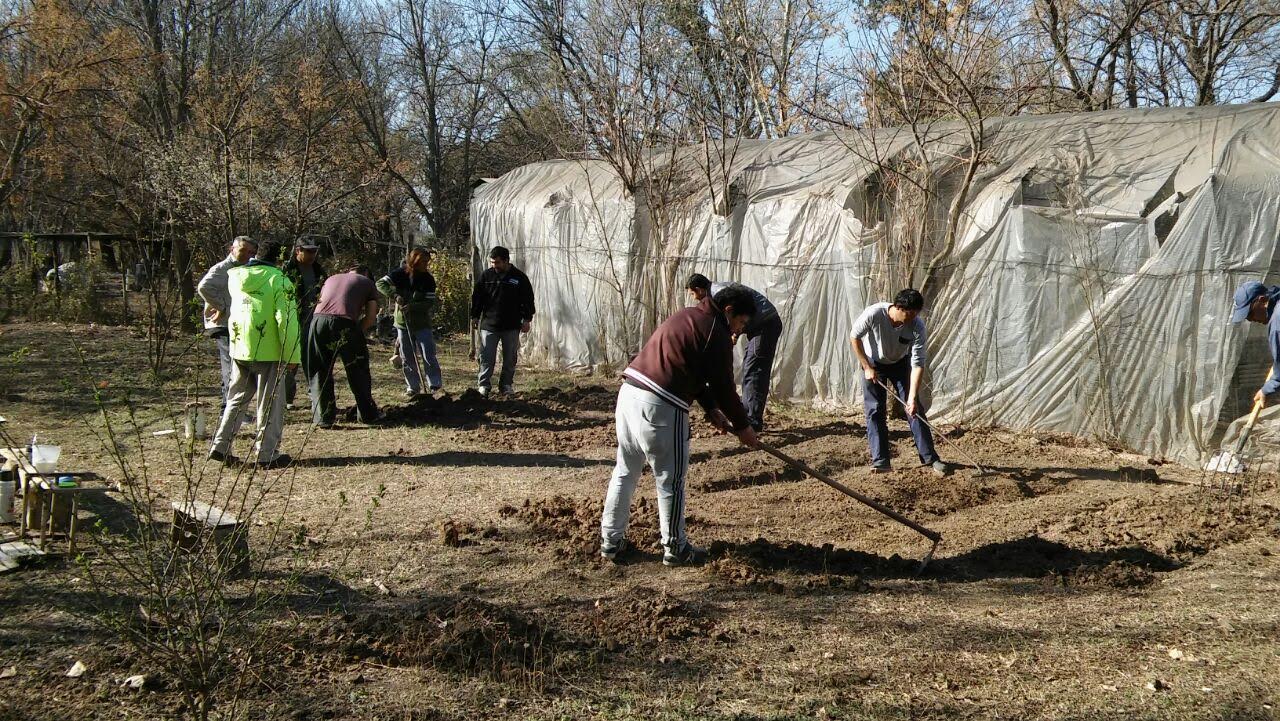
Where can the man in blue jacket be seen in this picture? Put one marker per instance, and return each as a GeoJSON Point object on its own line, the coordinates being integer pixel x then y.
{"type": "Point", "coordinates": [1256, 303]}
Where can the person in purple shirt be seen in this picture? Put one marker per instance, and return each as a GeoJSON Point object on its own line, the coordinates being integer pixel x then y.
{"type": "Point", "coordinates": [346, 309]}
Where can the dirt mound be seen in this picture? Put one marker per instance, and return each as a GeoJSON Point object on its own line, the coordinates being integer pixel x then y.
{"type": "Point", "coordinates": [741, 571]}
{"type": "Point", "coordinates": [572, 526]}
{"type": "Point", "coordinates": [744, 470]}
{"type": "Point", "coordinates": [1036, 557]}
{"type": "Point", "coordinates": [1116, 574]}
{"type": "Point", "coordinates": [920, 489]}
{"type": "Point", "coordinates": [452, 633]}
{"type": "Point", "coordinates": [567, 439]}
{"type": "Point", "coordinates": [553, 419]}
{"type": "Point", "coordinates": [580, 398]}
{"type": "Point", "coordinates": [1181, 527]}
{"type": "Point", "coordinates": [644, 616]}
{"type": "Point", "coordinates": [762, 555]}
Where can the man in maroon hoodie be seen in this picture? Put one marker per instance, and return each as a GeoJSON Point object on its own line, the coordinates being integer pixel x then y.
{"type": "Point", "coordinates": [688, 358]}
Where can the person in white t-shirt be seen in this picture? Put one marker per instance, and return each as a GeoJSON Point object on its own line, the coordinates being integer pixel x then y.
{"type": "Point", "coordinates": [889, 341]}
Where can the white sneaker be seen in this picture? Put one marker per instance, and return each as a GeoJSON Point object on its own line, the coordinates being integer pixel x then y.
{"type": "Point", "coordinates": [484, 391]}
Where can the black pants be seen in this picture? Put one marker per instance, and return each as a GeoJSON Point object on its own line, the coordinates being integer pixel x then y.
{"type": "Point", "coordinates": [757, 370]}
{"type": "Point", "coordinates": [334, 337]}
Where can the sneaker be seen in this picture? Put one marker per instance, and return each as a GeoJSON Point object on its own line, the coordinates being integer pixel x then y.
{"type": "Point", "coordinates": [507, 390]}
{"type": "Point", "coordinates": [881, 468]}
{"type": "Point", "coordinates": [611, 553]}
{"type": "Point", "coordinates": [381, 418]}
{"type": "Point", "coordinates": [940, 468]}
{"type": "Point", "coordinates": [410, 393]}
{"type": "Point", "coordinates": [484, 391]}
{"type": "Point", "coordinates": [324, 426]}
{"type": "Point", "coordinates": [225, 459]}
{"type": "Point", "coordinates": [436, 389]}
{"type": "Point", "coordinates": [290, 406]}
{"type": "Point", "coordinates": [688, 555]}
{"type": "Point", "coordinates": [280, 461]}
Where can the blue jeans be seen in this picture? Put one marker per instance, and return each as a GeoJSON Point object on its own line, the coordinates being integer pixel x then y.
{"type": "Point", "coordinates": [411, 344]}
{"type": "Point", "coordinates": [874, 399]}
{"type": "Point", "coordinates": [488, 357]}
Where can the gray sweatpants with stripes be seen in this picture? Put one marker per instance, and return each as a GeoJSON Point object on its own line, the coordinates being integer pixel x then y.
{"type": "Point", "coordinates": [650, 430]}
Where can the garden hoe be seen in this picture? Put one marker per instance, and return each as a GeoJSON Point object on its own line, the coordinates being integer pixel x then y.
{"type": "Point", "coordinates": [806, 469]}
{"type": "Point", "coordinates": [982, 471]}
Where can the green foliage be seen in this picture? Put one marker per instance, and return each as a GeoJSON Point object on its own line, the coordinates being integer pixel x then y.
{"type": "Point", "coordinates": [453, 288]}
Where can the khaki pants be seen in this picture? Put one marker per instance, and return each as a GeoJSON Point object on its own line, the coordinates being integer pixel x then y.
{"type": "Point", "coordinates": [262, 380]}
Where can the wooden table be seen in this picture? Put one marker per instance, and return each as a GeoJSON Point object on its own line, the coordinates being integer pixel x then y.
{"type": "Point", "coordinates": [41, 493]}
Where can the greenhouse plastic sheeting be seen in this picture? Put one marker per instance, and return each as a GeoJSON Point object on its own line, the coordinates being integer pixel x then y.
{"type": "Point", "coordinates": [1087, 292]}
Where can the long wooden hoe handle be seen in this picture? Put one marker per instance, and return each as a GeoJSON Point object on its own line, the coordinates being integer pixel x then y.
{"type": "Point", "coordinates": [805, 468]}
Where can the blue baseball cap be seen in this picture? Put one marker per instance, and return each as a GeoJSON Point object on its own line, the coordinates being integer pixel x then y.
{"type": "Point", "coordinates": [1244, 297]}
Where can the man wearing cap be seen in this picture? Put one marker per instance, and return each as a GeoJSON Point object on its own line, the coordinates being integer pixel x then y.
{"type": "Point", "coordinates": [1256, 303]}
{"type": "Point", "coordinates": [308, 277]}
{"type": "Point", "coordinates": [217, 301]}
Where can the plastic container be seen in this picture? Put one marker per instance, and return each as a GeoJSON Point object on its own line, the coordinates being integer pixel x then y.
{"type": "Point", "coordinates": [8, 487]}
{"type": "Point", "coordinates": [195, 425]}
{"type": "Point", "coordinates": [45, 458]}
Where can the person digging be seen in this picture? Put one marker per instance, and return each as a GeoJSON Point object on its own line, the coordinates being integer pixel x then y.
{"type": "Point", "coordinates": [762, 335]}
{"type": "Point", "coordinates": [689, 357]}
{"type": "Point", "coordinates": [889, 341]}
{"type": "Point", "coordinates": [1256, 303]}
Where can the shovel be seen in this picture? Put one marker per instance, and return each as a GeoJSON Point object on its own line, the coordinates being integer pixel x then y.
{"type": "Point", "coordinates": [806, 469]}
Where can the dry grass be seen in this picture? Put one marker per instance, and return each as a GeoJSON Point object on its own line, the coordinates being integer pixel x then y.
{"type": "Point", "coordinates": [1066, 587]}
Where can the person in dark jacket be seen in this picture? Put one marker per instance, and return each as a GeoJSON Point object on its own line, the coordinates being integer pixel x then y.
{"type": "Point", "coordinates": [689, 357]}
{"type": "Point", "coordinates": [762, 335]}
{"type": "Point", "coordinates": [307, 276]}
{"type": "Point", "coordinates": [502, 308]}
{"type": "Point", "coordinates": [412, 291]}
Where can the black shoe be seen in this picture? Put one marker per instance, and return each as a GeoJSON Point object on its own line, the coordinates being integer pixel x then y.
{"type": "Point", "coordinates": [381, 419]}
{"type": "Point", "coordinates": [225, 459]}
{"type": "Point", "coordinates": [280, 461]}
{"type": "Point", "coordinates": [611, 553]}
{"type": "Point", "coordinates": [688, 555]}
{"type": "Point", "coordinates": [881, 468]}
{"type": "Point", "coordinates": [324, 426]}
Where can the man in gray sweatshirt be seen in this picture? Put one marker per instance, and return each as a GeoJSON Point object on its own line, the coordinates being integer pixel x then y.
{"type": "Point", "coordinates": [889, 341]}
{"type": "Point", "coordinates": [217, 301]}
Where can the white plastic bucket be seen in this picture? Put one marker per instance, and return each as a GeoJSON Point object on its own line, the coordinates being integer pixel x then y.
{"type": "Point", "coordinates": [45, 458]}
{"type": "Point", "coordinates": [196, 425]}
{"type": "Point", "coordinates": [7, 489]}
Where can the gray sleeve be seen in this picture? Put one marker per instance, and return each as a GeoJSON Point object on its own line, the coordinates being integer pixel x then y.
{"type": "Point", "coordinates": [862, 326]}
{"type": "Point", "coordinates": [919, 356]}
{"type": "Point", "coordinates": [213, 286]}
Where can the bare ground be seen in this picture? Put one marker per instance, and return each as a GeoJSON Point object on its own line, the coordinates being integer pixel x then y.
{"type": "Point", "coordinates": [1073, 581]}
